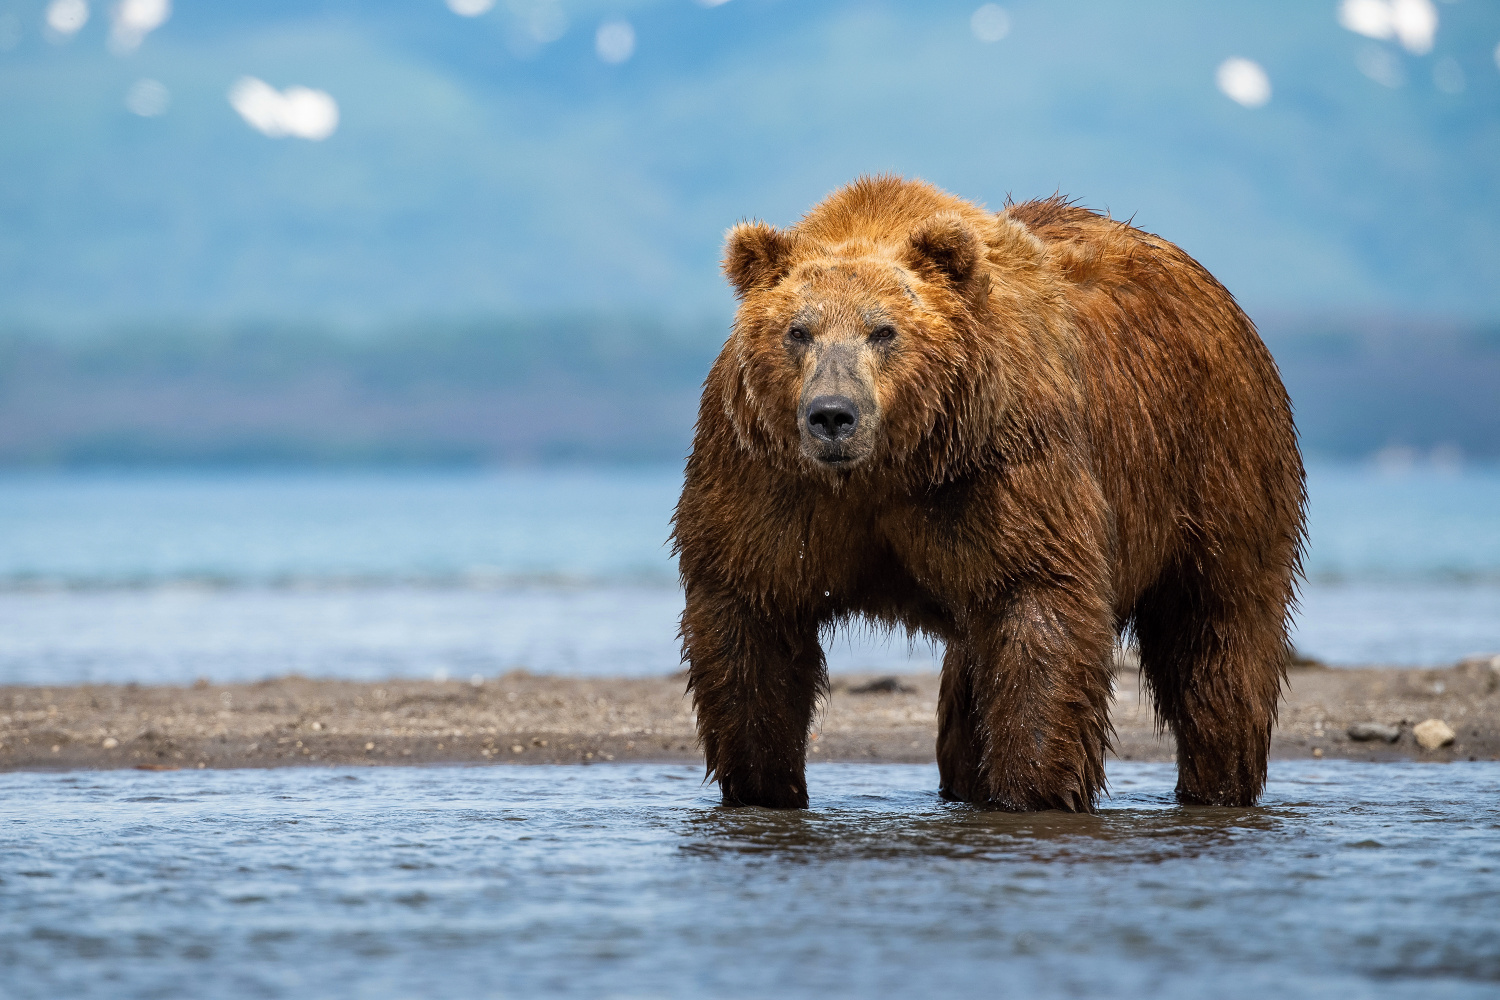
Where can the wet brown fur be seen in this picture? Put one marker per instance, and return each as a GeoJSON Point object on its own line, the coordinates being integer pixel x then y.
{"type": "Point", "coordinates": [1080, 435]}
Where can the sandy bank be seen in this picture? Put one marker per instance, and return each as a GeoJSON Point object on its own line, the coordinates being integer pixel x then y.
{"type": "Point", "coordinates": [519, 718]}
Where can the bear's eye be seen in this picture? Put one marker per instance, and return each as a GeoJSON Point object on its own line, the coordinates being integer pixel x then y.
{"type": "Point", "coordinates": [799, 334]}
{"type": "Point", "coordinates": [882, 333]}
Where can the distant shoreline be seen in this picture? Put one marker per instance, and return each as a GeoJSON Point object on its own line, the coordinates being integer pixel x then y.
{"type": "Point", "coordinates": [519, 718]}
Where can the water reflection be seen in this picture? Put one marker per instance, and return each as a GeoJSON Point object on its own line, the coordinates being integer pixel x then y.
{"type": "Point", "coordinates": [1142, 832]}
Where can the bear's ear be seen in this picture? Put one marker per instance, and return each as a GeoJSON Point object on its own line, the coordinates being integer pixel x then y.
{"type": "Point", "coordinates": [756, 256]}
{"type": "Point", "coordinates": [944, 246]}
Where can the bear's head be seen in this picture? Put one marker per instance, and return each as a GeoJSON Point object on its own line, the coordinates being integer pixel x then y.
{"type": "Point", "coordinates": [877, 348]}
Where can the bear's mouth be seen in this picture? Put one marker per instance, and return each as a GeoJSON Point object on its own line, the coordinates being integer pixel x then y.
{"type": "Point", "coordinates": [833, 457]}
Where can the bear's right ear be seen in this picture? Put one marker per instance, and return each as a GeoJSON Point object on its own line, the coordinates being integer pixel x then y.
{"type": "Point", "coordinates": [756, 256]}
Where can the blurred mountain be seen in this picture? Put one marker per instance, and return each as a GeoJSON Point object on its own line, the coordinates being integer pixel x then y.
{"type": "Point", "coordinates": [544, 390]}
{"type": "Point", "coordinates": [1400, 389]}
{"type": "Point", "coordinates": [479, 170]}
{"type": "Point", "coordinates": [597, 388]}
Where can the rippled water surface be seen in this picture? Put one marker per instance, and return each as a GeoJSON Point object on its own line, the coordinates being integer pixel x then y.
{"type": "Point", "coordinates": [1350, 881]}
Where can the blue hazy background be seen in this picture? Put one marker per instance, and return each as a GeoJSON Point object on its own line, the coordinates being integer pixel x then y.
{"type": "Point", "coordinates": [477, 170]}
{"type": "Point", "coordinates": [365, 338]}
{"type": "Point", "coordinates": [508, 210]}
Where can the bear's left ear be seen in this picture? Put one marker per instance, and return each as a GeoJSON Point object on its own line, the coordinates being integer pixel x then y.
{"type": "Point", "coordinates": [756, 256]}
{"type": "Point", "coordinates": [946, 247]}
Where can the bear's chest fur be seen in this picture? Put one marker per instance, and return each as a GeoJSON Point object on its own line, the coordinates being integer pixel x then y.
{"type": "Point", "coordinates": [900, 560]}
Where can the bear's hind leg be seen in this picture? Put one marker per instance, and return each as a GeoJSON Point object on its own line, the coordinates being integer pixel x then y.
{"type": "Point", "coordinates": [1215, 668]}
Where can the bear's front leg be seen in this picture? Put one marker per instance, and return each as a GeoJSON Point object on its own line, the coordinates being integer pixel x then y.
{"type": "Point", "coordinates": [1036, 712]}
{"type": "Point", "coordinates": [755, 675]}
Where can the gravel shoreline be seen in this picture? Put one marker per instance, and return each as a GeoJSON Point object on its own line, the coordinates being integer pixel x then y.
{"type": "Point", "coordinates": [518, 719]}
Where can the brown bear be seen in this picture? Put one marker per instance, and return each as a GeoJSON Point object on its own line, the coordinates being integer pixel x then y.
{"type": "Point", "coordinates": [1025, 434]}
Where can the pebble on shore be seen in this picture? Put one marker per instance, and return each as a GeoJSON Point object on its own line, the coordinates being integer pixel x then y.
{"type": "Point", "coordinates": [1433, 734]}
{"type": "Point", "coordinates": [1486, 667]}
{"type": "Point", "coordinates": [1365, 732]}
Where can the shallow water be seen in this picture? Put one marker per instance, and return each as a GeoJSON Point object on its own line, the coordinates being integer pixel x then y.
{"type": "Point", "coordinates": [1354, 880]}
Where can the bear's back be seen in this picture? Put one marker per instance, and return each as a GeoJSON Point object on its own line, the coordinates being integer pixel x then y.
{"type": "Point", "coordinates": [1187, 413]}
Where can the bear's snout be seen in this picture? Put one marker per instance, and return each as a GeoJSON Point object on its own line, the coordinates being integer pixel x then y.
{"type": "Point", "coordinates": [832, 418]}
{"type": "Point", "coordinates": [838, 415]}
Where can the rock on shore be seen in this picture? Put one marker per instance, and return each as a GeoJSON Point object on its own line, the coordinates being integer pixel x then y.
{"type": "Point", "coordinates": [1433, 734]}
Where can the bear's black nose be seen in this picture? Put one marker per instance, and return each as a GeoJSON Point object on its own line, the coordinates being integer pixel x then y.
{"type": "Point", "coordinates": [832, 418]}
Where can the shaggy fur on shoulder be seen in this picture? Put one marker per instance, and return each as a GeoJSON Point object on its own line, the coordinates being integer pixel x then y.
{"type": "Point", "coordinates": [1023, 433]}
